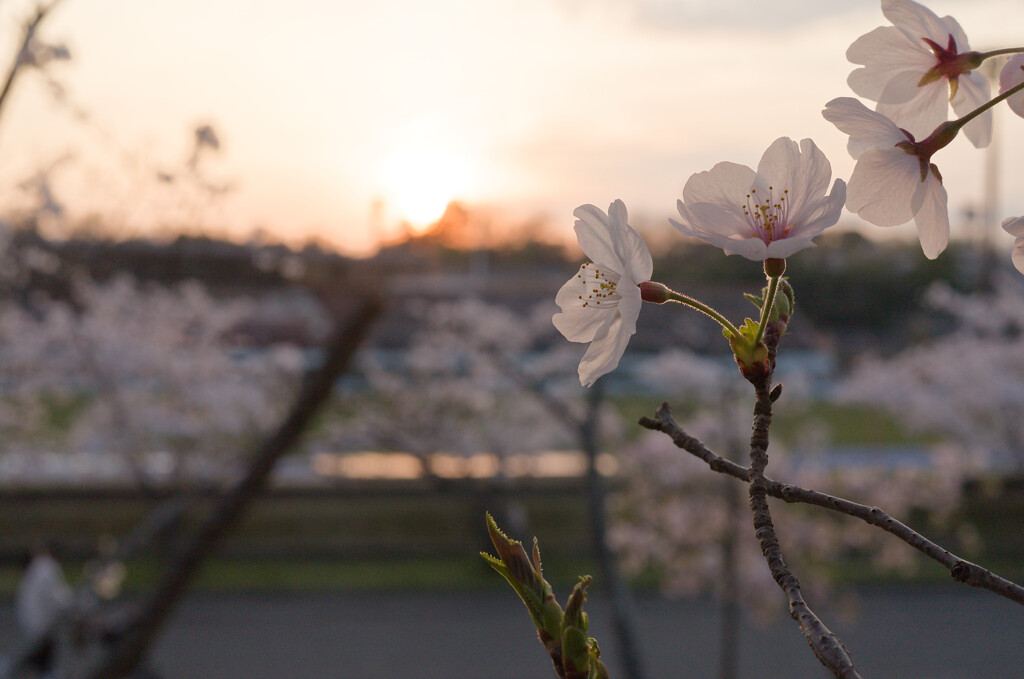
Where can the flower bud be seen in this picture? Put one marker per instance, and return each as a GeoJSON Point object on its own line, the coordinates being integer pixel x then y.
{"type": "Point", "coordinates": [655, 293]}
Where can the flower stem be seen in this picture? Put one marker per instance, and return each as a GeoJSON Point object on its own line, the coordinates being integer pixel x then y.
{"type": "Point", "coordinates": [963, 120]}
{"type": "Point", "coordinates": [996, 53]}
{"type": "Point", "coordinates": [766, 307]}
{"type": "Point", "coordinates": [674, 296]}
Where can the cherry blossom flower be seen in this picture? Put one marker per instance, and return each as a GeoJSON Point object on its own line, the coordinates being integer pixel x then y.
{"type": "Point", "coordinates": [601, 303]}
{"type": "Point", "coordinates": [909, 68]}
{"type": "Point", "coordinates": [1012, 75]}
{"type": "Point", "coordinates": [1015, 227]}
{"type": "Point", "coordinates": [771, 213]}
{"type": "Point", "coordinates": [894, 180]}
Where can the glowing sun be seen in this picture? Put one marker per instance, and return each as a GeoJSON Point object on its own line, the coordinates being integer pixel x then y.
{"type": "Point", "coordinates": [419, 183]}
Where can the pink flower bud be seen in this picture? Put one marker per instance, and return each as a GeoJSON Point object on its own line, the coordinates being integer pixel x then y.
{"type": "Point", "coordinates": [655, 293]}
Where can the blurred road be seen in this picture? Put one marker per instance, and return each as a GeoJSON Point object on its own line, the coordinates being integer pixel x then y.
{"type": "Point", "coordinates": [939, 632]}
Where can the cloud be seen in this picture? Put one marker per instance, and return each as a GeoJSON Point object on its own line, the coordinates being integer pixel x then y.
{"type": "Point", "coordinates": [735, 14]}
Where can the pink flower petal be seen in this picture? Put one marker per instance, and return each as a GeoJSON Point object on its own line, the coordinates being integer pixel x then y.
{"type": "Point", "coordinates": [885, 52]}
{"type": "Point", "coordinates": [825, 213]}
{"type": "Point", "coordinates": [725, 183]}
{"type": "Point", "coordinates": [1012, 75]}
{"type": "Point", "coordinates": [917, 21]}
{"type": "Point", "coordinates": [922, 114]}
{"type": "Point", "coordinates": [803, 170]}
{"type": "Point", "coordinates": [972, 92]}
{"type": "Point", "coordinates": [931, 216]}
{"type": "Point", "coordinates": [868, 130]}
{"type": "Point", "coordinates": [882, 186]}
{"type": "Point", "coordinates": [1014, 226]}
{"type": "Point", "coordinates": [1017, 256]}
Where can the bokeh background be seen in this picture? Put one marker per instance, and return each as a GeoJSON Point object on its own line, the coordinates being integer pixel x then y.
{"type": "Point", "coordinates": [195, 192]}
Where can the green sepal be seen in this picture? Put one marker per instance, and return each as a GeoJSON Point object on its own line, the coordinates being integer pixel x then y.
{"type": "Point", "coordinates": [785, 300]}
{"type": "Point", "coordinates": [575, 653]}
{"type": "Point", "coordinates": [750, 356]}
{"type": "Point", "coordinates": [576, 646]}
{"type": "Point", "coordinates": [597, 668]}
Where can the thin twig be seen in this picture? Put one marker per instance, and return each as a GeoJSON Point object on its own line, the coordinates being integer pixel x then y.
{"type": "Point", "coordinates": [826, 645]}
{"type": "Point", "coordinates": [960, 569]}
{"type": "Point", "coordinates": [19, 61]}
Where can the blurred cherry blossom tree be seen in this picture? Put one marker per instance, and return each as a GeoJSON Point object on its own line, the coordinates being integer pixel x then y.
{"type": "Point", "coordinates": [154, 376]}
{"type": "Point", "coordinates": [966, 386]}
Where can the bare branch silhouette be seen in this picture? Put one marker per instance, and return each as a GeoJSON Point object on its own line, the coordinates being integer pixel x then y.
{"type": "Point", "coordinates": [26, 43]}
{"type": "Point", "coordinates": [125, 654]}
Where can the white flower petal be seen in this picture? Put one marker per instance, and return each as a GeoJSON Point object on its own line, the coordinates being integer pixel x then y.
{"type": "Point", "coordinates": [599, 237]}
{"type": "Point", "coordinates": [705, 220]}
{"type": "Point", "coordinates": [922, 114]}
{"type": "Point", "coordinates": [784, 247]}
{"type": "Point", "coordinates": [577, 322]}
{"type": "Point", "coordinates": [931, 216]}
{"type": "Point", "coordinates": [867, 129]}
{"type": "Point", "coordinates": [805, 172]}
{"type": "Point", "coordinates": [609, 241]}
{"type": "Point", "coordinates": [904, 86]}
{"type": "Point", "coordinates": [1012, 75]}
{"type": "Point", "coordinates": [826, 212]}
{"type": "Point", "coordinates": [629, 308]}
{"type": "Point", "coordinates": [952, 27]}
{"type": "Point", "coordinates": [1014, 226]}
{"type": "Point", "coordinates": [884, 52]}
{"type": "Point", "coordinates": [725, 183]}
{"type": "Point", "coordinates": [751, 248]}
{"type": "Point", "coordinates": [735, 244]}
{"type": "Point", "coordinates": [604, 353]}
{"type": "Point", "coordinates": [973, 91]}
{"type": "Point", "coordinates": [917, 21]}
{"type": "Point", "coordinates": [1017, 256]}
{"type": "Point", "coordinates": [882, 186]}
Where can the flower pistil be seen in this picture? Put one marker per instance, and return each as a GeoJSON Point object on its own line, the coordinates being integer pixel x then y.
{"type": "Point", "coordinates": [768, 219]}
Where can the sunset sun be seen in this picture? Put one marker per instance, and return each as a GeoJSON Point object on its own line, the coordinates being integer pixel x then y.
{"type": "Point", "coordinates": [419, 183]}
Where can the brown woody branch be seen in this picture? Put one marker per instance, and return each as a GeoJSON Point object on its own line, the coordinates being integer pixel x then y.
{"type": "Point", "coordinates": [128, 650]}
{"type": "Point", "coordinates": [828, 648]}
{"type": "Point", "coordinates": [960, 569]}
{"type": "Point", "coordinates": [30, 31]}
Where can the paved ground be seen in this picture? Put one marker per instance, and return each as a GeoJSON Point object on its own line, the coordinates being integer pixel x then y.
{"type": "Point", "coordinates": [934, 633]}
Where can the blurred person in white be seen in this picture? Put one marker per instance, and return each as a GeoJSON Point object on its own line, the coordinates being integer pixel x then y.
{"type": "Point", "coordinates": [43, 595]}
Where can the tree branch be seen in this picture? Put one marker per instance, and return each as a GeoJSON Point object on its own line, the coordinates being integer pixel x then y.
{"type": "Point", "coordinates": [960, 569]}
{"type": "Point", "coordinates": [128, 650]}
{"type": "Point", "coordinates": [19, 59]}
{"type": "Point", "coordinates": [826, 645]}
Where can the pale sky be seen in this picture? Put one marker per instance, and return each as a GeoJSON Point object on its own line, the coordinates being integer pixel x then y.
{"type": "Point", "coordinates": [527, 108]}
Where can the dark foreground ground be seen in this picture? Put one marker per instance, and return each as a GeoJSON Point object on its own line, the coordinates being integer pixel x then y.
{"type": "Point", "coordinates": [924, 632]}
